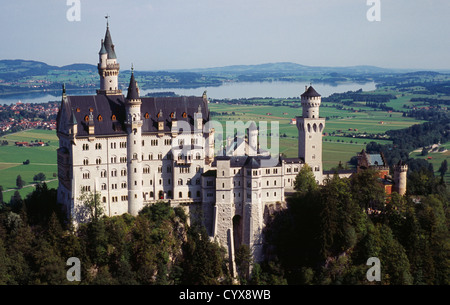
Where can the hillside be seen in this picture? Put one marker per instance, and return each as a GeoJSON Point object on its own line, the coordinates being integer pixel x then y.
{"type": "Point", "coordinates": [28, 76]}
{"type": "Point", "coordinates": [288, 67]}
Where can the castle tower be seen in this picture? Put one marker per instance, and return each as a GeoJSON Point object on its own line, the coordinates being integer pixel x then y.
{"type": "Point", "coordinates": [134, 147]}
{"type": "Point", "coordinates": [108, 67]}
{"type": "Point", "coordinates": [252, 140]}
{"type": "Point", "coordinates": [400, 178]}
{"type": "Point", "coordinates": [225, 209]}
{"type": "Point", "coordinates": [310, 127]}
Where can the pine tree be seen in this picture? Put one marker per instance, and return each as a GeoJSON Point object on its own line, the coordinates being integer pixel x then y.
{"type": "Point", "coordinates": [19, 182]}
{"type": "Point", "coordinates": [444, 168]}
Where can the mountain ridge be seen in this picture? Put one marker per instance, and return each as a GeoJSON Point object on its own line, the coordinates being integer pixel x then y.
{"type": "Point", "coordinates": [271, 67]}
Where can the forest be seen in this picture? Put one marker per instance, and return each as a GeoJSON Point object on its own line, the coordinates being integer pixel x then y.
{"type": "Point", "coordinates": [324, 236]}
{"type": "Point", "coordinates": [358, 96]}
{"type": "Point", "coordinates": [156, 247]}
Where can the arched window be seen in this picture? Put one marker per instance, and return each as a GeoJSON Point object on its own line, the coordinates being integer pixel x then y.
{"type": "Point", "coordinates": [114, 118]}
{"type": "Point", "coordinates": [100, 118]}
{"type": "Point", "coordinates": [184, 115]}
{"type": "Point", "coordinates": [146, 115]}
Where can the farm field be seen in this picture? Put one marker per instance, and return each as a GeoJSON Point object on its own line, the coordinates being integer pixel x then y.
{"type": "Point", "coordinates": [366, 121]}
{"type": "Point", "coordinates": [42, 160]}
{"type": "Point", "coordinates": [333, 153]}
{"type": "Point", "coordinates": [435, 158]}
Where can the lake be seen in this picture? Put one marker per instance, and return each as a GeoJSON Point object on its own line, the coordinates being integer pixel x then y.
{"type": "Point", "coordinates": [228, 90]}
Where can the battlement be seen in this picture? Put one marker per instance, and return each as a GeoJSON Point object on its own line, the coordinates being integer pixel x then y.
{"type": "Point", "coordinates": [401, 167]}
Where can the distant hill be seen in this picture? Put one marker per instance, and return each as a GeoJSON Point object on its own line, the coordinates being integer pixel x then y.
{"type": "Point", "coordinates": [289, 67]}
{"type": "Point", "coordinates": [24, 76]}
{"type": "Point", "coordinates": [83, 67]}
{"type": "Point", "coordinates": [15, 69]}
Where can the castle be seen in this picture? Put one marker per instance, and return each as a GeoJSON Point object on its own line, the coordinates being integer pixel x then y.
{"type": "Point", "coordinates": [133, 151]}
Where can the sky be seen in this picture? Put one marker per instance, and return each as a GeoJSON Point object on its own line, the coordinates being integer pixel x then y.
{"type": "Point", "coordinates": [185, 34]}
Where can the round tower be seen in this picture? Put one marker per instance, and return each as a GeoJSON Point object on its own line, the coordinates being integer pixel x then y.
{"type": "Point", "coordinates": [400, 177]}
{"type": "Point", "coordinates": [108, 67]}
{"type": "Point", "coordinates": [252, 139]}
{"type": "Point", "coordinates": [310, 128]}
{"type": "Point", "coordinates": [134, 147]}
{"type": "Point", "coordinates": [311, 101]}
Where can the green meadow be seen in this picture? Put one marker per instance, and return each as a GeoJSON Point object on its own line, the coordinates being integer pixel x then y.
{"type": "Point", "coordinates": [335, 148]}
{"type": "Point", "coordinates": [369, 121]}
{"type": "Point", "coordinates": [435, 158]}
{"type": "Point", "coordinates": [42, 160]}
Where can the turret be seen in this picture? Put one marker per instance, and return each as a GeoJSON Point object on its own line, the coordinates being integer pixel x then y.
{"type": "Point", "coordinates": [134, 147]}
{"type": "Point", "coordinates": [310, 128]}
{"type": "Point", "coordinates": [252, 140]}
{"type": "Point", "coordinates": [103, 56]}
{"type": "Point", "coordinates": [198, 120]}
{"type": "Point", "coordinates": [73, 126]}
{"type": "Point", "coordinates": [108, 68]}
{"type": "Point", "coordinates": [400, 177]}
{"type": "Point", "coordinates": [311, 101]}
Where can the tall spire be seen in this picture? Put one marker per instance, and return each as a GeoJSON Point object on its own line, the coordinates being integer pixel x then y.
{"type": "Point", "coordinates": [102, 48]}
{"type": "Point", "coordinates": [108, 67]}
{"type": "Point", "coordinates": [109, 46]}
{"type": "Point", "coordinates": [133, 90]}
